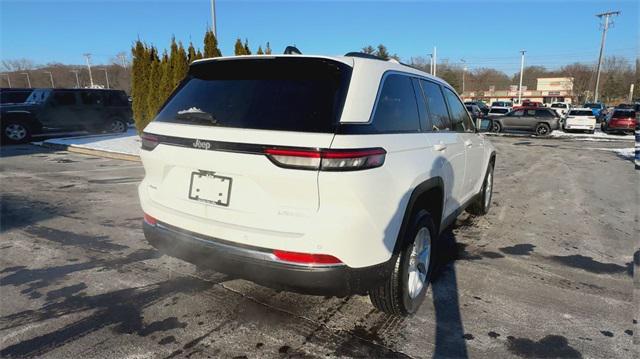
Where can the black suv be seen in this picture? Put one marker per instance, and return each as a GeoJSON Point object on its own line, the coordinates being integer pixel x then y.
{"type": "Point", "coordinates": [48, 110]}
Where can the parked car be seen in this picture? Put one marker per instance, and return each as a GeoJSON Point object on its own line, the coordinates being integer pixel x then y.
{"type": "Point", "coordinates": [502, 104]}
{"type": "Point", "coordinates": [561, 108]}
{"type": "Point", "coordinates": [483, 106]}
{"type": "Point", "coordinates": [47, 110]}
{"type": "Point", "coordinates": [596, 107]}
{"type": "Point", "coordinates": [529, 103]}
{"type": "Point", "coordinates": [580, 119]}
{"type": "Point", "coordinates": [474, 111]}
{"type": "Point", "coordinates": [14, 95]}
{"type": "Point", "coordinates": [270, 169]}
{"type": "Point", "coordinates": [537, 119]}
{"type": "Point", "coordinates": [620, 121]}
{"type": "Point", "coordinates": [498, 111]}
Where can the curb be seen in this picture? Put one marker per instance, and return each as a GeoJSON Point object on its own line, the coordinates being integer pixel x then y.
{"type": "Point", "coordinates": [92, 152]}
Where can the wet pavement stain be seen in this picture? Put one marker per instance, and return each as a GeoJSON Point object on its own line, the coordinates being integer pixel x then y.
{"type": "Point", "coordinates": [493, 335]}
{"type": "Point", "coordinates": [606, 333]}
{"type": "Point", "coordinates": [551, 346]}
{"type": "Point", "coordinates": [468, 336]}
{"type": "Point", "coordinates": [518, 249]}
{"type": "Point", "coordinates": [167, 340]}
{"type": "Point", "coordinates": [589, 264]}
{"type": "Point", "coordinates": [628, 332]}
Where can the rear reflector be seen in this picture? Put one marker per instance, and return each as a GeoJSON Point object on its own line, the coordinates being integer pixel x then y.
{"type": "Point", "coordinates": [149, 141]}
{"type": "Point", "coordinates": [327, 160]}
{"type": "Point", "coordinates": [305, 258]}
{"type": "Point", "coordinates": [150, 220]}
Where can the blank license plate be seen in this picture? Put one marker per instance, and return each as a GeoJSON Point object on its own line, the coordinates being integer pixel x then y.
{"type": "Point", "coordinates": [208, 187]}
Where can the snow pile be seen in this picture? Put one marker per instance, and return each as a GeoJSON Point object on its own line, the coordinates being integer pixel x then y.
{"type": "Point", "coordinates": [124, 143]}
{"type": "Point", "coordinates": [585, 136]}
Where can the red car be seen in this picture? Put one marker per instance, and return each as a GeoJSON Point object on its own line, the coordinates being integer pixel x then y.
{"type": "Point", "coordinates": [620, 120]}
{"type": "Point", "coordinates": [527, 104]}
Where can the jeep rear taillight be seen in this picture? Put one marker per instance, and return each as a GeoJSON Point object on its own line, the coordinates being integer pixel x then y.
{"type": "Point", "coordinates": [305, 258]}
{"type": "Point", "coordinates": [149, 141]}
{"type": "Point", "coordinates": [327, 160]}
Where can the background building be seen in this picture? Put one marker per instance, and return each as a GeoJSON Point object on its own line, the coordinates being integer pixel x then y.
{"type": "Point", "coordinates": [548, 89]}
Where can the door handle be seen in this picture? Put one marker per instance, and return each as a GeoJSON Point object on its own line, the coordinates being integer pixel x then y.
{"type": "Point", "coordinates": [440, 147]}
{"type": "Point", "coordinates": [468, 143]}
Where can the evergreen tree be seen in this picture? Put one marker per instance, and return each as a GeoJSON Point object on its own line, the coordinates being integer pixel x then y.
{"type": "Point", "coordinates": [369, 50]}
{"type": "Point", "coordinates": [267, 50]}
{"type": "Point", "coordinates": [165, 78]}
{"type": "Point", "coordinates": [153, 84]}
{"type": "Point", "coordinates": [260, 52]}
{"type": "Point", "coordinates": [199, 55]}
{"type": "Point", "coordinates": [211, 45]}
{"type": "Point", "coordinates": [382, 52]}
{"type": "Point", "coordinates": [180, 66]}
{"type": "Point", "coordinates": [191, 53]}
{"type": "Point", "coordinates": [247, 51]}
{"type": "Point", "coordinates": [139, 67]}
{"type": "Point", "coordinates": [239, 48]}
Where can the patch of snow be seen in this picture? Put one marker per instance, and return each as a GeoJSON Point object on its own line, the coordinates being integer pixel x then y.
{"type": "Point", "coordinates": [124, 143]}
{"type": "Point", "coordinates": [190, 110]}
{"type": "Point", "coordinates": [596, 136]}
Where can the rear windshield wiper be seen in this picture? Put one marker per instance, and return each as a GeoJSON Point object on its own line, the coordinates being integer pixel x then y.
{"type": "Point", "coordinates": [196, 116]}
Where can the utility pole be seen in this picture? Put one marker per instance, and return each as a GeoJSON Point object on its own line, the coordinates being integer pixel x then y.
{"type": "Point", "coordinates": [464, 69]}
{"type": "Point", "coordinates": [28, 79]}
{"type": "Point", "coordinates": [435, 61]}
{"type": "Point", "coordinates": [122, 60]}
{"type": "Point", "coordinates": [521, 72]}
{"type": "Point", "coordinates": [8, 79]}
{"type": "Point", "coordinates": [77, 79]}
{"type": "Point", "coordinates": [605, 27]}
{"type": "Point", "coordinates": [88, 57]}
{"type": "Point", "coordinates": [213, 18]}
{"type": "Point", "coordinates": [430, 64]}
{"type": "Point", "coordinates": [631, 93]}
{"type": "Point", "coordinates": [50, 77]}
{"type": "Point", "coordinates": [106, 76]}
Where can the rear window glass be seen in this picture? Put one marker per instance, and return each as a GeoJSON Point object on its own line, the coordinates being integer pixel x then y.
{"type": "Point", "coordinates": [397, 109]}
{"type": "Point", "coordinates": [91, 98]}
{"type": "Point", "coordinates": [116, 98]}
{"type": "Point", "coordinates": [623, 114]}
{"type": "Point", "coordinates": [580, 113]}
{"type": "Point", "coordinates": [286, 94]}
{"type": "Point", "coordinates": [14, 96]}
{"type": "Point", "coordinates": [64, 98]}
{"type": "Point", "coordinates": [499, 110]}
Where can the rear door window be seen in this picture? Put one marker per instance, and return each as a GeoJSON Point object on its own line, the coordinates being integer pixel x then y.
{"type": "Point", "coordinates": [116, 98]}
{"type": "Point", "coordinates": [64, 98]}
{"type": "Point", "coordinates": [90, 98]}
{"type": "Point", "coordinates": [396, 109]}
{"type": "Point", "coordinates": [285, 94]}
{"type": "Point", "coordinates": [460, 120]}
{"type": "Point", "coordinates": [543, 113]}
{"type": "Point", "coordinates": [436, 107]}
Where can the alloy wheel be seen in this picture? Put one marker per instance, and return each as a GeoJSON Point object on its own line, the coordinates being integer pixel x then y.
{"type": "Point", "coordinates": [15, 132]}
{"type": "Point", "coordinates": [419, 262]}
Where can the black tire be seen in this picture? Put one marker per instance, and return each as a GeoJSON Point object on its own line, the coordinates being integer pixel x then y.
{"type": "Point", "coordinates": [16, 131]}
{"type": "Point", "coordinates": [395, 296]}
{"type": "Point", "coordinates": [592, 132]}
{"type": "Point", "coordinates": [542, 129]}
{"type": "Point", "coordinates": [116, 125]}
{"type": "Point", "coordinates": [496, 127]}
{"type": "Point", "coordinates": [482, 204]}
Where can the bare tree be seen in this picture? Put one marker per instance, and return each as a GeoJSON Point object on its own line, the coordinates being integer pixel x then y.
{"type": "Point", "coordinates": [17, 64]}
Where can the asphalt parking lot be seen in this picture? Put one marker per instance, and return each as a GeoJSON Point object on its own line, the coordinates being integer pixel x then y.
{"type": "Point", "coordinates": [548, 273]}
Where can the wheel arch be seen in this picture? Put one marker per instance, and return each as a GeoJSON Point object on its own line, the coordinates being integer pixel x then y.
{"type": "Point", "coordinates": [428, 195]}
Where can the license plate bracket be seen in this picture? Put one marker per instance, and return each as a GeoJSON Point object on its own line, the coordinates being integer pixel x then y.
{"type": "Point", "coordinates": [206, 186]}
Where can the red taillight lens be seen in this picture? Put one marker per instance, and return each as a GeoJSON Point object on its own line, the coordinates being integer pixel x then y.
{"type": "Point", "coordinates": [150, 220]}
{"type": "Point", "coordinates": [327, 160]}
{"type": "Point", "coordinates": [305, 258]}
{"type": "Point", "coordinates": [149, 141]}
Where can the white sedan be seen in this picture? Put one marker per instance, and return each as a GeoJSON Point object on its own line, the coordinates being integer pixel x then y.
{"type": "Point", "coordinates": [580, 119]}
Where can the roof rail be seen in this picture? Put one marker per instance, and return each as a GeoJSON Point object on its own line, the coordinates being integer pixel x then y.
{"type": "Point", "coordinates": [363, 55]}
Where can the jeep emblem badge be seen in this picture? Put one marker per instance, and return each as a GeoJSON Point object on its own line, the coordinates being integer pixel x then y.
{"type": "Point", "coordinates": [201, 144]}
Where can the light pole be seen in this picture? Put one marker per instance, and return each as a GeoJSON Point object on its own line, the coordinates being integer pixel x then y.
{"type": "Point", "coordinates": [122, 60]}
{"type": "Point", "coordinates": [605, 27]}
{"type": "Point", "coordinates": [8, 79]}
{"type": "Point", "coordinates": [464, 69]}
{"type": "Point", "coordinates": [521, 71]}
{"type": "Point", "coordinates": [51, 78]}
{"type": "Point", "coordinates": [77, 79]}
{"type": "Point", "coordinates": [430, 64]}
{"type": "Point", "coordinates": [106, 76]}
{"type": "Point", "coordinates": [88, 57]}
{"type": "Point", "coordinates": [435, 61]}
{"type": "Point", "coordinates": [28, 79]}
{"type": "Point", "coordinates": [213, 18]}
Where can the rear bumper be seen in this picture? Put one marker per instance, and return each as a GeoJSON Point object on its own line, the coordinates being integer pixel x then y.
{"type": "Point", "coordinates": [260, 266]}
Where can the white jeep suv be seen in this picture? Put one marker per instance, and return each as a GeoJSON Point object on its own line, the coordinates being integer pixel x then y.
{"type": "Point", "coordinates": [319, 175]}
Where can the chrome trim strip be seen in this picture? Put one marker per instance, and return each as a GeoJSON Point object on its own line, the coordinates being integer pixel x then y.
{"type": "Point", "coordinates": [242, 252]}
